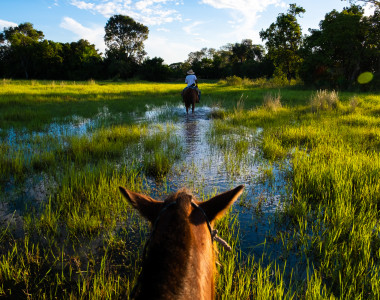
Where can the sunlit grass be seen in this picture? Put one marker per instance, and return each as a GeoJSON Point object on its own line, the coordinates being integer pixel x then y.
{"type": "Point", "coordinates": [324, 100]}
{"type": "Point", "coordinates": [85, 241]}
{"type": "Point", "coordinates": [272, 102]}
{"type": "Point", "coordinates": [333, 211]}
{"type": "Point", "coordinates": [246, 277]}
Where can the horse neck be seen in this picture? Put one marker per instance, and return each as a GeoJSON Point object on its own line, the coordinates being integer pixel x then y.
{"type": "Point", "coordinates": [180, 266]}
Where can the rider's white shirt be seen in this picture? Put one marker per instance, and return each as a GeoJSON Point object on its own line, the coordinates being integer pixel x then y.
{"type": "Point", "coordinates": [190, 80]}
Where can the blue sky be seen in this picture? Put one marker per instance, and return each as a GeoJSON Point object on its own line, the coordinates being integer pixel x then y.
{"type": "Point", "coordinates": [176, 27]}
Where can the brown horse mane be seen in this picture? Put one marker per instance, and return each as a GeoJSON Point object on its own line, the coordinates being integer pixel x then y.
{"type": "Point", "coordinates": [180, 257]}
{"type": "Point", "coordinates": [161, 265]}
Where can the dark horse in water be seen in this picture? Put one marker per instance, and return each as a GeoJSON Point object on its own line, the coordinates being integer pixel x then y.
{"type": "Point", "coordinates": [190, 97]}
{"type": "Point", "coordinates": [179, 257]}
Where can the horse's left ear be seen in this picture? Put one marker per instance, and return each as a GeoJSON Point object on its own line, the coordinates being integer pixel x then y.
{"type": "Point", "coordinates": [218, 205]}
{"type": "Point", "coordinates": [148, 207]}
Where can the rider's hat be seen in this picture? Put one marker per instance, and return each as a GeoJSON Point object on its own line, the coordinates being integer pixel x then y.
{"type": "Point", "coordinates": [190, 72]}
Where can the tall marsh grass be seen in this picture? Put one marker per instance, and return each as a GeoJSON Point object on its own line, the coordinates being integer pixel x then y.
{"type": "Point", "coordinates": [84, 241]}
{"type": "Point", "coordinates": [331, 218]}
{"type": "Point", "coordinates": [324, 100]}
{"type": "Point", "coordinates": [276, 82]}
{"type": "Point", "coordinates": [272, 102]}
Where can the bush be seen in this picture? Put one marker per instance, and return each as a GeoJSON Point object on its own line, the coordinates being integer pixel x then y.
{"type": "Point", "coordinates": [272, 102]}
{"type": "Point", "coordinates": [234, 80]}
{"type": "Point", "coordinates": [324, 100]}
{"type": "Point", "coordinates": [354, 103]}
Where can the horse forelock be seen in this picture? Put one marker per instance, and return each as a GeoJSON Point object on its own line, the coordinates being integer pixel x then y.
{"type": "Point", "coordinates": [182, 198]}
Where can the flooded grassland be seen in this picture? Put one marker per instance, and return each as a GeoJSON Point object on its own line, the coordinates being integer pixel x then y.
{"type": "Point", "coordinates": [305, 227]}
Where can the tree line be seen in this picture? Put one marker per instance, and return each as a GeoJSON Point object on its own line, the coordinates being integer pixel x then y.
{"type": "Point", "coordinates": [346, 44]}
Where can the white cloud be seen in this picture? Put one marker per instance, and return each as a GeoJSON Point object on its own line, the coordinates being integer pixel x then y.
{"type": "Point", "coordinates": [369, 9]}
{"type": "Point", "coordinates": [201, 40]}
{"type": "Point", "coordinates": [190, 29]}
{"type": "Point", "coordinates": [245, 14]}
{"type": "Point", "coordinates": [94, 35]}
{"type": "Point", "coordinates": [83, 5]}
{"type": "Point", "coordinates": [172, 52]}
{"type": "Point", "coordinates": [243, 6]}
{"type": "Point", "coordinates": [163, 29]}
{"type": "Point", "coordinates": [4, 24]}
{"type": "Point", "coordinates": [54, 4]}
{"type": "Point", "coordinates": [148, 12]}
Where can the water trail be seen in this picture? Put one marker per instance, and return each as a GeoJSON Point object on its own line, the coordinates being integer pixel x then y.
{"type": "Point", "coordinates": [205, 168]}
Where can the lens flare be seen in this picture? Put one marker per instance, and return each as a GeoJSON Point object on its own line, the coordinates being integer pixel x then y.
{"type": "Point", "coordinates": [365, 77]}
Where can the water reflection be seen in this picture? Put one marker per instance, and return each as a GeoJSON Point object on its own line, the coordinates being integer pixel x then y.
{"type": "Point", "coordinates": [204, 169]}
{"type": "Point", "coordinates": [190, 133]}
{"type": "Point", "coordinates": [72, 126]}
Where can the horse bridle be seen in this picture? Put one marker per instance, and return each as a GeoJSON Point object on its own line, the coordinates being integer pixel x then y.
{"type": "Point", "coordinates": [213, 232]}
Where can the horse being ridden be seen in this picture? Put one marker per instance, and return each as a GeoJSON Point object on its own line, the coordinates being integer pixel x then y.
{"type": "Point", "coordinates": [190, 97]}
{"type": "Point", "coordinates": [192, 85]}
{"type": "Point", "coordinates": [179, 257]}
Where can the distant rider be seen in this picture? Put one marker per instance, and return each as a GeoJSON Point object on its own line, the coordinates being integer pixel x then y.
{"type": "Point", "coordinates": [192, 82]}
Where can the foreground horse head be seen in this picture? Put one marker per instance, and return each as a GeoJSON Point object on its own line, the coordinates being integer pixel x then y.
{"type": "Point", "coordinates": [190, 96]}
{"type": "Point", "coordinates": [179, 262]}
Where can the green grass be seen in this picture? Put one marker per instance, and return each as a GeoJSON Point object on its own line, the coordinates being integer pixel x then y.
{"type": "Point", "coordinates": [85, 241]}
{"type": "Point", "coordinates": [331, 218]}
{"type": "Point", "coordinates": [161, 150]}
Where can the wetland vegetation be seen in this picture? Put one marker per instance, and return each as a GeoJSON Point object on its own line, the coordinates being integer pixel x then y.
{"type": "Point", "coordinates": [306, 227]}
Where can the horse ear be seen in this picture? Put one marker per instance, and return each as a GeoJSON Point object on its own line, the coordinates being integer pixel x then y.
{"type": "Point", "coordinates": [217, 206]}
{"type": "Point", "coordinates": [148, 207]}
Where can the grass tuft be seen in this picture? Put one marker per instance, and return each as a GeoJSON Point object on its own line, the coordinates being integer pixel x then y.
{"type": "Point", "coordinates": [324, 100]}
{"type": "Point", "coordinates": [73, 236]}
{"type": "Point", "coordinates": [272, 102]}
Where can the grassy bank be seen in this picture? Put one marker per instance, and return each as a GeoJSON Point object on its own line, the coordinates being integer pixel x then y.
{"type": "Point", "coordinates": [37, 103]}
{"type": "Point", "coordinates": [331, 219]}
{"type": "Point", "coordinates": [74, 236]}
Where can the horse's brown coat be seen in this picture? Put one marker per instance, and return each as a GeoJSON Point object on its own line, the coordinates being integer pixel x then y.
{"type": "Point", "coordinates": [190, 97]}
{"type": "Point", "coordinates": [180, 260]}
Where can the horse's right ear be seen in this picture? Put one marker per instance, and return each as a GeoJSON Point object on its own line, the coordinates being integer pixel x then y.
{"type": "Point", "coordinates": [148, 207]}
{"type": "Point", "coordinates": [218, 205]}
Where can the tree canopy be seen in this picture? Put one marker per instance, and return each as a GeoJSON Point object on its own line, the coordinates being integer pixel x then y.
{"type": "Point", "coordinates": [126, 37]}
{"type": "Point", "coordinates": [24, 53]}
{"type": "Point", "coordinates": [346, 44]}
{"type": "Point", "coordinates": [18, 46]}
{"type": "Point", "coordinates": [283, 40]}
{"type": "Point", "coordinates": [376, 3]}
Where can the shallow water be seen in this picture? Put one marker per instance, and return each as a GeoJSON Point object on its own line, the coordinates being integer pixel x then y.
{"type": "Point", "coordinates": [204, 168]}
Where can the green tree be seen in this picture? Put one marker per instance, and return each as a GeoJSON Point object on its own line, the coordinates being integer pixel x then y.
{"type": "Point", "coordinates": [376, 3]}
{"type": "Point", "coordinates": [346, 44]}
{"type": "Point", "coordinates": [155, 70]}
{"type": "Point", "coordinates": [245, 50]}
{"type": "Point", "coordinates": [81, 60]}
{"type": "Point", "coordinates": [242, 59]}
{"type": "Point", "coordinates": [24, 53]}
{"type": "Point", "coordinates": [3, 55]}
{"type": "Point", "coordinates": [19, 44]}
{"type": "Point", "coordinates": [124, 38]}
{"type": "Point", "coordinates": [202, 62]}
{"type": "Point", "coordinates": [48, 62]}
{"type": "Point", "coordinates": [283, 41]}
